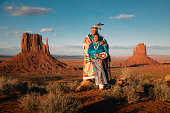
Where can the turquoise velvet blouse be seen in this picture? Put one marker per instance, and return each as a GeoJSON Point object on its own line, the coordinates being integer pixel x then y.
{"type": "Point", "coordinates": [96, 49]}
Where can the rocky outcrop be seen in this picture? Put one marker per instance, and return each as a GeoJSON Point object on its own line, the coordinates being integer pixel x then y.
{"type": "Point", "coordinates": [33, 43]}
{"type": "Point", "coordinates": [140, 57]}
{"type": "Point", "coordinates": [35, 57]}
{"type": "Point", "coordinates": [140, 50]}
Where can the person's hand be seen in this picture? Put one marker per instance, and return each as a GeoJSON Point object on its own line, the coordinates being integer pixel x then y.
{"type": "Point", "coordinates": [101, 43]}
{"type": "Point", "coordinates": [89, 43]}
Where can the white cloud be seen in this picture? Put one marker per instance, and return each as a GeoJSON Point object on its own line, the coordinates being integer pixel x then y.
{"type": "Point", "coordinates": [79, 46]}
{"type": "Point", "coordinates": [7, 33]}
{"type": "Point", "coordinates": [26, 11]}
{"type": "Point", "coordinates": [121, 16]}
{"type": "Point", "coordinates": [46, 30]}
{"type": "Point", "coordinates": [28, 31]}
{"type": "Point", "coordinates": [20, 32]}
{"type": "Point", "coordinates": [3, 27]}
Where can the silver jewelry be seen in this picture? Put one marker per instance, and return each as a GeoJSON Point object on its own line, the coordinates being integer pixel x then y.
{"type": "Point", "coordinates": [96, 46]}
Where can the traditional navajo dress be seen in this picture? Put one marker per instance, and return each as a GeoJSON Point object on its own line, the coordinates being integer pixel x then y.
{"type": "Point", "coordinates": [88, 71]}
{"type": "Point", "coordinates": [100, 77]}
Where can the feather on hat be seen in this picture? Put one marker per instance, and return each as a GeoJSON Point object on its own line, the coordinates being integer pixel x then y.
{"type": "Point", "coordinates": [95, 27]}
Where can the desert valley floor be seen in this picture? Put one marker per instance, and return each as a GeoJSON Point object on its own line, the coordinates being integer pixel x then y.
{"type": "Point", "coordinates": [91, 99]}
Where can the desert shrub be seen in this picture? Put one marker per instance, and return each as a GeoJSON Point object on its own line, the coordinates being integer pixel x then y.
{"type": "Point", "coordinates": [161, 91]}
{"type": "Point", "coordinates": [144, 77]}
{"type": "Point", "coordinates": [114, 92]}
{"type": "Point", "coordinates": [62, 87]}
{"type": "Point", "coordinates": [2, 84]}
{"type": "Point", "coordinates": [126, 72]}
{"type": "Point", "coordinates": [90, 86]}
{"type": "Point", "coordinates": [7, 85]}
{"type": "Point", "coordinates": [53, 88]}
{"type": "Point", "coordinates": [58, 103]}
{"type": "Point", "coordinates": [86, 85]}
{"type": "Point", "coordinates": [130, 94]}
{"type": "Point", "coordinates": [30, 101]}
{"type": "Point", "coordinates": [141, 83]}
{"type": "Point", "coordinates": [32, 87]}
{"type": "Point", "coordinates": [72, 85]}
{"type": "Point", "coordinates": [118, 92]}
{"type": "Point", "coordinates": [49, 103]}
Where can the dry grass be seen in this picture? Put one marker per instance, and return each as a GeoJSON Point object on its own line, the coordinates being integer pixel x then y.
{"type": "Point", "coordinates": [130, 94]}
{"type": "Point", "coordinates": [8, 85]}
{"type": "Point", "coordinates": [30, 102]}
{"type": "Point", "coordinates": [161, 91]}
{"type": "Point", "coordinates": [62, 87]}
{"type": "Point", "coordinates": [136, 87]}
{"type": "Point", "coordinates": [57, 98]}
{"type": "Point", "coordinates": [115, 92]}
{"type": "Point", "coordinates": [58, 103]}
{"type": "Point", "coordinates": [120, 93]}
{"type": "Point", "coordinates": [49, 103]}
{"type": "Point", "coordinates": [126, 72]}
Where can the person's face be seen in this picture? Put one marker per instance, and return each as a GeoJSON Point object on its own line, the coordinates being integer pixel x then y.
{"type": "Point", "coordinates": [93, 31]}
{"type": "Point", "coordinates": [96, 38]}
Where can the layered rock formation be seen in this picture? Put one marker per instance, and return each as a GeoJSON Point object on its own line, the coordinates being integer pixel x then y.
{"type": "Point", "coordinates": [32, 43]}
{"type": "Point", "coordinates": [34, 57]}
{"type": "Point", "coordinates": [140, 57]}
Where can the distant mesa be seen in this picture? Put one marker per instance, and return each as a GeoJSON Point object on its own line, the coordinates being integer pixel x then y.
{"type": "Point", "coordinates": [34, 57]}
{"type": "Point", "coordinates": [140, 57]}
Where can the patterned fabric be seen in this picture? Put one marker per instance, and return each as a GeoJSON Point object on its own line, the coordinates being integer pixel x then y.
{"type": "Point", "coordinates": [96, 49]}
{"type": "Point", "coordinates": [88, 71]}
{"type": "Point", "coordinates": [100, 77]}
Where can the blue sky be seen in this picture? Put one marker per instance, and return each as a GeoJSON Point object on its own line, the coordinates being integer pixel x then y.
{"type": "Point", "coordinates": [67, 22]}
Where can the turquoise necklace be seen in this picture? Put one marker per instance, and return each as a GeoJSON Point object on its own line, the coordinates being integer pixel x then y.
{"type": "Point", "coordinates": [96, 46]}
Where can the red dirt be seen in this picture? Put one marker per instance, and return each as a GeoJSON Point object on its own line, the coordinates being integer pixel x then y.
{"type": "Point", "coordinates": [92, 102]}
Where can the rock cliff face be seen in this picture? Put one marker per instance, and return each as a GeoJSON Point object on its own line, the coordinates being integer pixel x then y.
{"type": "Point", "coordinates": [33, 43]}
{"type": "Point", "coordinates": [35, 57]}
{"type": "Point", "coordinates": [140, 50]}
{"type": "Point", "coordinates": [140, 57]}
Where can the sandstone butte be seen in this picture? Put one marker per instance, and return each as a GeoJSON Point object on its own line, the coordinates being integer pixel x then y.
{"type": "Point", "coordinates": [140, 57]}
{"type": "Point", "coordinates": [34, 57]}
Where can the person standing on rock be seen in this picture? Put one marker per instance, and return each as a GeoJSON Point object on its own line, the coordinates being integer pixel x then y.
{"type": "Point", "coordinates": [88, 71]}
